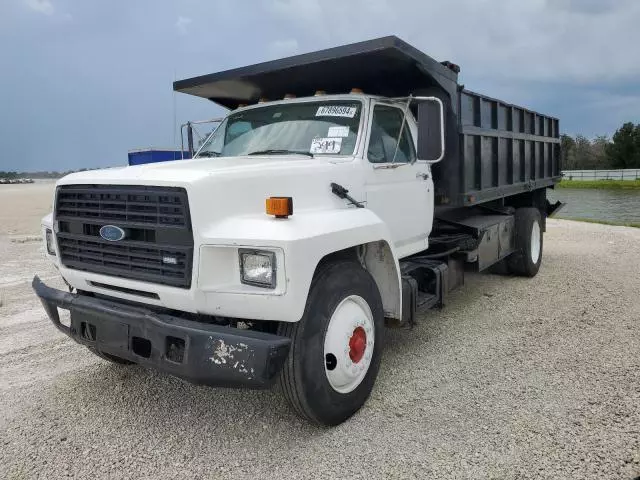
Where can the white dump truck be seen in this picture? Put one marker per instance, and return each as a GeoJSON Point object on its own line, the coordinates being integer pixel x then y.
{"type": "Point", "coordinates": [346, 191]}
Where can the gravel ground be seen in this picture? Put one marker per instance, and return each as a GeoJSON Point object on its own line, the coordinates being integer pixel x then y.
{"type": "Point", "coordinates": [515, 378]}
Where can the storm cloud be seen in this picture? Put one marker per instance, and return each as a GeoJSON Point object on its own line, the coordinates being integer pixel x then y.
{"type": "Point", "coordinates": [83, 82]}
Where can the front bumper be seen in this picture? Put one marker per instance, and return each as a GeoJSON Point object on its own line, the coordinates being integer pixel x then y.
{"type": "Point", "coordinates": [198, 352]}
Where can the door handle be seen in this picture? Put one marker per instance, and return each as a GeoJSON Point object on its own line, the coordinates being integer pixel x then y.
{"type": "Point", "coordinates": [424, 176]}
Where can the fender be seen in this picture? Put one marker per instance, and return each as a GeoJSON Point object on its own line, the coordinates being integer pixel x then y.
{"type": "Point", "coordinates": [309, 236]}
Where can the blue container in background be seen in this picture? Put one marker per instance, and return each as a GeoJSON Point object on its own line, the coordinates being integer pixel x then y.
{"type": "Point", "coordinates": [141, 156]}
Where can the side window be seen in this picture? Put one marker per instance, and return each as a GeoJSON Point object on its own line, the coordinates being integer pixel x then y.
{"type": "Point", "coordinates": [385, 128]}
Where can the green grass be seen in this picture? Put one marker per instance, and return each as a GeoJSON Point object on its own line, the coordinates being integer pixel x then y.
{"type": "Point", "coordinates": [603, 222]}
{"type": "Point", "coordinates": [601, 184]}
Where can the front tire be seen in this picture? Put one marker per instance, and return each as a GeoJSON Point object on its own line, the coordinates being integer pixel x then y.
{"type": "Point", "coordinates": [336, 346]}
{"type": "Point", "coordinates": [526, 260]}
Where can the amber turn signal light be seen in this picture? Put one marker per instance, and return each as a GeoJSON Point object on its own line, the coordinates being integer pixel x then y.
{"type": "Point", "coordinates": [281, 207]}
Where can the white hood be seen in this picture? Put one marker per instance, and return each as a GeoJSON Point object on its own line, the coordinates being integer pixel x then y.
{"type": "Point", "coordinates": [234, 186]}
{"type": "Point", "coordinates": [181, 172]}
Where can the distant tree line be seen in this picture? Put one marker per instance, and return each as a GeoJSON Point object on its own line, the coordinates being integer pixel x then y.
{"type": "Point", "coordinates": [578, 153]}
{"type": "Point", "coordinates": [621, 151]}
{"type": "Point", "coordinates": [15, 175]}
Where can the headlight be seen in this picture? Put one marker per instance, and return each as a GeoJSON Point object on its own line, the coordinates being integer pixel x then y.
{"type": "Point", "coordinates": [51, 249]}
{"type": "Point", "coordinates": [258, 268]}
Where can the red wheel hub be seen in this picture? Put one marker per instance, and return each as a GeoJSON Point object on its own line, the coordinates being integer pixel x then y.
{"type": "Point", "coordinates": [357, 344]}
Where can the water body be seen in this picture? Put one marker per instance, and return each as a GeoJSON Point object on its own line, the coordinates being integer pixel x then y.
{"type": "Point", "coordinates": [611, 205]}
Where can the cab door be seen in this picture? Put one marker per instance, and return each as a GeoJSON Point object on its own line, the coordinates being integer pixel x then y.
{"type": "Point", "coordinates": [400, 190]}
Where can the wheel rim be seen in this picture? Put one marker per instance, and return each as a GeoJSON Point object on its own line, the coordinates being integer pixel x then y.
{"type": "Point", "coordinates": [348, 344]}
{"type": "Point", "coordinates": [535, 242]}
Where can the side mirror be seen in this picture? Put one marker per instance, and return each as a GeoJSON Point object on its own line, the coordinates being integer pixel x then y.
{"type": "Point", "coordinates": [430, 129]}
{"type": "Point", "coordinates": [190, 139]}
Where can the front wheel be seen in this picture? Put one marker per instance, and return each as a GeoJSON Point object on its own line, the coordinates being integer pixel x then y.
{"type": "Point", "coordinates": [336, 346]}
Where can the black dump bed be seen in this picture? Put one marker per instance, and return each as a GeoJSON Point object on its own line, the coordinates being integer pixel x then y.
{"type": "Point", "coordinates": [493, 149]}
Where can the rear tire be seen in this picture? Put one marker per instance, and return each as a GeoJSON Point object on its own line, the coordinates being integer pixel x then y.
{"type": "Point", "coordinates": [336, 345]}
{"type": "Point", "coordinates": [110, 358]}
{"type": "Point", "coordinates": [526, 260]}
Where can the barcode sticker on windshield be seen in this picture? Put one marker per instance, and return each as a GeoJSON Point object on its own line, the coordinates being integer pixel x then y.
{"type": "Point", "coordinates": [338, 131]}
{"type": "Point", "coordinates": [336, 111]}
{"type": "Point", "coordinates": [326, 145]}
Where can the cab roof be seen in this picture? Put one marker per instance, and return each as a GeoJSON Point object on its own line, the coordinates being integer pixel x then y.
{"type": "Point", "coordinates": [386, 66]}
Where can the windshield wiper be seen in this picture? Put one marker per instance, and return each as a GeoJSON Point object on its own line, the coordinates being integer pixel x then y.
{"type": "Point", "coordinates": [207, 153]}
{"type": "Point", "coordinates": [281, 152]}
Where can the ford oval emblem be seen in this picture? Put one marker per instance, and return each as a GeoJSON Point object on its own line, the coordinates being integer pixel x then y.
{"type": "Point", "coordinates": [112, 233]}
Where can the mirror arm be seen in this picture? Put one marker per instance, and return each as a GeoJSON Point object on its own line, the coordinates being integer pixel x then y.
{"type": "Point", "coordinates": [200, 122]}
{"type": "Point", "coordinates": [404, 120]}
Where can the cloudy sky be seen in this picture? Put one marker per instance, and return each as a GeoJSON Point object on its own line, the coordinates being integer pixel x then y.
{"type": "Point", "coordinates": [84, 81]}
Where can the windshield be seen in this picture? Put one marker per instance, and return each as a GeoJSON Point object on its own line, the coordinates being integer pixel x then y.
{"type": "Point", "coordinates": [308, 128]}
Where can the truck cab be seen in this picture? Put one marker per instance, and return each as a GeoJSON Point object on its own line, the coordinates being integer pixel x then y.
{"type": "Point", "coordinates": [354, 129]}
{"type": "Point", "coordinates": [312, 218]}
